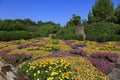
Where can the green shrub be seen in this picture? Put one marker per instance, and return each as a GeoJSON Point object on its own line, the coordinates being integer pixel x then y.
{"type": "Point", "coordinates": [102, 32]}
{"type": "Point", "coordinates": [14, 35]}
{"type": "Point", "coordinates": [70, 37]}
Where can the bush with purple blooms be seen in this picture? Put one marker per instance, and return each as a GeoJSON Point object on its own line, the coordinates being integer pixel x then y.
{"type": "Point", "coordinates": [112, 57]}
{"type": "Point", "coordinates": [16, 58]}
{"type": "Point", "coordinates": [62, 54]}
{"type": "Point", "coordinates": [118, 44]}
{"type": "Point", "coordinates": [73, 46]}
{"type": "Point", "coordinates": [21, 46]}
{"type": "Point", "coordinates": [102, 65]}
{"type": "Point", "coordinates": [80, 45]}
{"type": "Point", "coordinates": [79, 52]}
{"type": "Point", "coordinates": [4, 53]}
{"type": "Point", "coordinates": [36, 44]}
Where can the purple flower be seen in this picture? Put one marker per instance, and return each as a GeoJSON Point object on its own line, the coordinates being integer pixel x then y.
{"type": "Point", "coordinates": [16, 58]}
{"type": "Point", "coordinates": [98, 55]}
{"type": "Point", "coordinates": [102, 65]}
{"type": "Point", "coordinates": [61, 54]}
{"type": "Point", "coordinates": [13, 56]}
{"type": "Point", "coordinates": [4, 52]}
{"type": "Point", "coordinates": [23, 46]}
{"type": "Point", "coordinates": [80, 45]}
{"type": "Point", "coordinates": [112, 57]}
{"type": "Point", "coordinates": [39, 45]}
{"type": "Point", "coordinates": [79, 52]}
{"type": "Point", "coordinates": [118, 44]}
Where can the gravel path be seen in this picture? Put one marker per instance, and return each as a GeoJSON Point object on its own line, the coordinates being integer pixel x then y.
{"type": "Point", "coordinates": [1, 78]}
{"type": "Point", "coordinates": [115, 74]}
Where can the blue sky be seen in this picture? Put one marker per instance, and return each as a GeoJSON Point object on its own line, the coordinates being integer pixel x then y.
{"type": "Point", "coordinates": [58, 11]}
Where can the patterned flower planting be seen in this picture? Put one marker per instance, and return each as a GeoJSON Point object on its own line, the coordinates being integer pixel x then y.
{"type": "Point", "coordinates": [43, 58]}
{"type": "Point", "coordinates": [112, 57]}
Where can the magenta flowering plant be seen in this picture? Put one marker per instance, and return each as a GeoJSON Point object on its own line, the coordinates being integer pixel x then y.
{"type": "Point", "coordinates": [62, 54]}
{"type": "Point", "coordinates": [112, 57]}
{"type": "Point", "coordinates": [4, 52]}
{"type": "Point", "coordinates": [36, 44]}
{"type": "Point", "coordinates": [21, 46]}
{"type": "Point", "coordinates": [103, 65]}
{"type": "Point", "coordinates": [16, 58]}
{"type": "Point", "coordinates": [79, 52]}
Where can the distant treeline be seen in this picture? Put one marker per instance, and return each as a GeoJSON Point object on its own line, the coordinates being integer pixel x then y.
{"type": "Point", "coordinates": [103, 24]}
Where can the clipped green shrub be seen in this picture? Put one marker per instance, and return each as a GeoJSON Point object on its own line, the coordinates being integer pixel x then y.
{"type": "Point", "coordinates": [4, 36]}
{"type": "Point", "coordinates": [14, 35]}
{"type": "Point", "coordinates": [102, 32]}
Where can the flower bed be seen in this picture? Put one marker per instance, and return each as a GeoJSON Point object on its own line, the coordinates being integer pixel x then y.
{"type": "Point", "coordinates": [49, 69]}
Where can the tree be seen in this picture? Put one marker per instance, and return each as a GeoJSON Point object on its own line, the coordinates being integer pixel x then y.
{"type": "Point", "coordinates": [117, 14]}
{"type": "Point", "coordinates": [102, 10]}
{"type": "Point", "coordinates": [91, 19]}
{"type": "Point", "coordinates": [84, 22]}
{"type": "Point", "coordinates": [29, 22]}
{"type": "Point", "coordinates": [76, 20]}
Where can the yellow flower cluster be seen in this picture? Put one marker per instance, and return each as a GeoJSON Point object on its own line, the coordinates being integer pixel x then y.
{"type": "Point", "coordinates": [52, 69]}
{"type": "Point", "coordinates": [85, 70]}
{"type": "Point", "coordinates": [33, 48]}
{"type": "Point", "coordinates": [93, 47]}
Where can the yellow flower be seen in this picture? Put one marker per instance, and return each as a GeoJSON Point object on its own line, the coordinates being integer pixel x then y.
{"type": "Point", "coordinates": [38, 79]}
{"type": "Point", "coordinates": [54, 73]}
{"type": "Point", "coordinates": [50, 78]}
{"type": "Point", "coordinates": [38, 71]}
{"type": "Point", "coordinates": [26, 71]}
{"type": "Point", "coordinates": [46, 71]}
{"type": "Point", "coordinates": [34, 74]}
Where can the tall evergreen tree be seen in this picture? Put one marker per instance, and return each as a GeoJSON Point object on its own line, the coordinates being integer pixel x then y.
{"type": "Point", "coordinates": [117, 14]}
{"type": "Point", "coordinates": [102, 10]}
{"type": "Point", "coordinates": [91, 19]}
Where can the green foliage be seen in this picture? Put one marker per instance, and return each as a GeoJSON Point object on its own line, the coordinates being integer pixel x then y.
{"type": "Point", "coordinates": [52, 48]}
{"type": "Point", "coordinates": [48, 70]}
{"type": "Point", "coordinates": [14, 35]}
{"type": "Point", "coordinates": [102, 32]}
{"type": "Point", "coordinates": [101, 11]}
{"type": "Point", "coordinates": [70, 37]}
{"type": "Point", "coordinates": [67, 33]}
{"type": "Point", "coordinates": [117, 14]}
{"type": "Point", "coordinates": [45, 29]}
{"type": "Point", "coordinates": [18, 24]}
{"type": "Point", "coordinates": [75, 21]}
{"type": "Point", "coordinates": [91, 19]}
{"type": "Point", "coordinates": [33, 48]}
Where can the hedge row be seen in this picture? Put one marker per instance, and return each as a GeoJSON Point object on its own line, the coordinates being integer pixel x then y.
{"type": "Point", "coordinates": [102, 32]}
{"type": "Point", "coordinates": [14, 35]}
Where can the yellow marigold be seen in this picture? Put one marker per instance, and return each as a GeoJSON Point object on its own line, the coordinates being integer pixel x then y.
{"type": "Point", "coordinates": [38, 71]}
{"type": "Point", "coordinates": [38, 79]}
{"type": "Point", "coordinates": [34, 74]}
{"type": "Point", "coordinates": [26, 71]}
{"type": "Point", "coordinates": [46, 71]}
{"type": "Point", "coordinates": [50, 78]}
{"type": "Point", "coordinates": [54, 73]}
